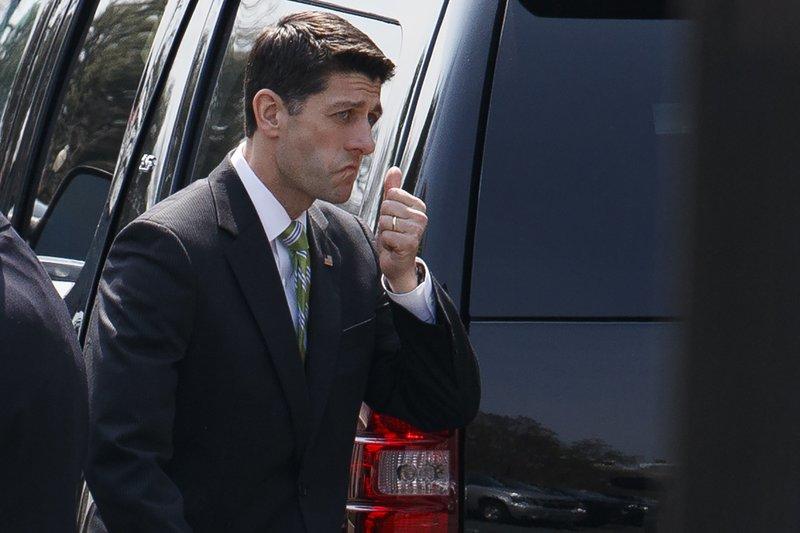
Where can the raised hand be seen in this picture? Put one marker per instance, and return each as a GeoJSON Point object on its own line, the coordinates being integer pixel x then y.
{"type": "Point", "coordinates": [401, 225]}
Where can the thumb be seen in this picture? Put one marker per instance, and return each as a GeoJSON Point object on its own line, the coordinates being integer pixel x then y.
{"type": "Point", "coordinates": [394, 178]}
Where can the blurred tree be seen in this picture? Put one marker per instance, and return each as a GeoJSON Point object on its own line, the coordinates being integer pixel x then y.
{"type": "Point", "coordinates": [102, 85]}
{"type": "Point", "coordinates": [547, 462]}
{"type": "Point", "coordinates": [13, 41]}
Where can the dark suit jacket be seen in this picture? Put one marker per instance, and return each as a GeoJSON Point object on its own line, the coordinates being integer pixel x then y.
{"type": "Point", "coordinates": [202, 415]}
{"type": "Point", "coordinates": [43, 404]}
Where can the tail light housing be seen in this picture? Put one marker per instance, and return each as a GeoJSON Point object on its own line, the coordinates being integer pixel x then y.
{"type": "Point", "coordinates": [402, 479]}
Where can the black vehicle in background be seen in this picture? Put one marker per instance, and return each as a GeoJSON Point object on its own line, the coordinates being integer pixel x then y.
{"type": "Point", "coordinates": [547, 139]}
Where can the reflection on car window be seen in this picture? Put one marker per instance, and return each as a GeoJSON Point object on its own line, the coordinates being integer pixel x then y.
{"type": "Point", "coordinates": [17, 19]}
{"type": "Point", "coordinates": [160, 149]}
{"type": "Point", "coordinates": [580, 190]}
{"type": "Point", "coordinates": [96, 103]}
{"type": "Point", "coordinates": [485, 481]}
{"type": "Point", "coordinates": [567, 413]}
{"type": "Point", "coordinates": [224, 125]}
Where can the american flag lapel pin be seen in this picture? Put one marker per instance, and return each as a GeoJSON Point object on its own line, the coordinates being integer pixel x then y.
{"type": "Point", "coordinates": [328, 261]}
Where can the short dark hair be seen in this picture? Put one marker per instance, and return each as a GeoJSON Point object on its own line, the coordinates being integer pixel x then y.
{"type": "Point", "coordinates": [295, 57]}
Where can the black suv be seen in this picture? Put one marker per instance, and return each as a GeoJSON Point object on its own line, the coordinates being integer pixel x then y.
{"type": "Point", "coordinates": [546, 138]}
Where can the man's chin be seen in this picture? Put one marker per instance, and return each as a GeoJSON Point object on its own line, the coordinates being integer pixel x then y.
{"type": "Point", "coordinates": [342, 198]}
{"type": "Point", "coordinates": [340, 194]}
{"type": "Point", "coordinates": [336, 197]}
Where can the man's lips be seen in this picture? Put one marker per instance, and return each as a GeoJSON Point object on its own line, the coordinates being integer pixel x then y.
{"type": "Point", "coordinates": [346, 176]}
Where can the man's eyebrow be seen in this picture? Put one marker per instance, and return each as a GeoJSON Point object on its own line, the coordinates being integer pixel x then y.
{"type": "Point", "coordinates": [346, 104]}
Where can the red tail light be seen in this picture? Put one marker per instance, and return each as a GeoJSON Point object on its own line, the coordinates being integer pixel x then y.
{"type": "Point", "coordinates": [402, 480]}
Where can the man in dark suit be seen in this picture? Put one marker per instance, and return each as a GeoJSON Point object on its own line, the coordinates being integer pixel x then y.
{"type": "Point", "coordinates": [43, 404]}
{"type": "Point", "coordinates": [241, 322]}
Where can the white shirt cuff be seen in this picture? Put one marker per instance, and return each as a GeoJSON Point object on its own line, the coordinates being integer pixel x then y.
{"type": "Point", "coordinates": [419, 302]}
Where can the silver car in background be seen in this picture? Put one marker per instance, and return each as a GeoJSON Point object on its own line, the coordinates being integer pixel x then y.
{"type": "Point", "coordinates": [492, 500]}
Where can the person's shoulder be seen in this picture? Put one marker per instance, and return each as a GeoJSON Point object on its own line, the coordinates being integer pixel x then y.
{"type": "Point", "coordinates": [349, 231]}
{"type": "Point", "coordinates": [34, 315]}
{"type": "Point", "coordinates": [182, 222]}
{"type": "Point", "coordinates": [4, 222]}
{"type": "Point", "coordinates": [18, 262]}
{"type": "Point", "coordinates": [42, 378]}
{"type": "Point", "coordinates": [187, 209]}
{"type": "Point", "coordinates": [192, 211]}
{"type": "Point", "coordinates": [340, 219]}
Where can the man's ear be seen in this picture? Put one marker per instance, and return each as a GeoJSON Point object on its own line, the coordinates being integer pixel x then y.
{"type": "Point", "coordinates": [270, 112]}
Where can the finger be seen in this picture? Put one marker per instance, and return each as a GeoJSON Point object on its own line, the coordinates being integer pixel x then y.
{"type": "Point", "coordinates": [385, 223]}
{"type": "Point", "coordinates": [393, 208]}
{"type": "Point", "coordinates": [393, 179]}
{"type": "Point", "coordinates": [394, 223]}
{"type": "Point", "coordinates": [406, 198]}
{"type": "Point", "coordinates": [414, 224]}
{"type": "Point", "coordinates": [408, 220]}
{"type": "Point", "coordinates": [414, 227]}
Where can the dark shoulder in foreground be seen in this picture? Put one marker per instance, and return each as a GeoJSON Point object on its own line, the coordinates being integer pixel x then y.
{"type": "Point", "coordinates": [43, 396]}
{"type": "Point", "coordinates": [33, 314]}
{"type": "Point", "coordinates": [40, 357]}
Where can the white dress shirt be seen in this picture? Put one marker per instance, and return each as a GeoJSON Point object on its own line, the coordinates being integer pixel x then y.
{"type": "Point", "coordinates": [275, 219]}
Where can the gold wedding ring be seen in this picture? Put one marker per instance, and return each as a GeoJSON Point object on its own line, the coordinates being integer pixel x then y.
{"type": "Point", "coordinates": [394, 223]}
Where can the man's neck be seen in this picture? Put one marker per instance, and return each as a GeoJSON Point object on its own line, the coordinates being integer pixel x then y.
{"type": "Point", "coordinates": [295, 202]}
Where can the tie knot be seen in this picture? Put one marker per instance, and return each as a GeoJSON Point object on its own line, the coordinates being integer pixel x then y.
{"type": "Point", "coordinates": [294, 237]}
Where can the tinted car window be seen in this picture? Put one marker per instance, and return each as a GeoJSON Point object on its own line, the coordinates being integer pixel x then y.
{"type": "Point", "coordinates": [224, 124]}
{"type": "Point", "coordinates": [17, 18]}
{"type": "Point", "coordinates": [578, 408]}
{"type": "Point", "coordinates": [95, 106]}
{"type": "Point", "coordinates": [576, 252]}
{"type": "Point", "coordinates": [580, 189]}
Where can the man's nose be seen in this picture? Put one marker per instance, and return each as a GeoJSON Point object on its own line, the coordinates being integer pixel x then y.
{"type": "Point", "coordinates": [362, 140]}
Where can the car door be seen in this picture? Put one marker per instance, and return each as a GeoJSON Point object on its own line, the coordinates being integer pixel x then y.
{"type": "Point", "coordinates": [574, 295]}
{"type": "Point", "coordinates": [549, 158]}
{"type": "Point", "coordinates": [58, 175]}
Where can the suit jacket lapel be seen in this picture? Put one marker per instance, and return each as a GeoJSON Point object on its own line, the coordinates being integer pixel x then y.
{"type": "Point", "coordinates": [324, 314]}
{"type": "Point", "coordinates": [250, 257]}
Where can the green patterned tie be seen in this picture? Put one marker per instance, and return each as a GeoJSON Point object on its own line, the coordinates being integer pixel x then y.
{"type": "Point", "coordinates": [294, 238]}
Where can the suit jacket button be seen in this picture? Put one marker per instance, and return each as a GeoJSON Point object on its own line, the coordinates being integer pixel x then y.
{"type": "Point", "coordinates": [302, 489]}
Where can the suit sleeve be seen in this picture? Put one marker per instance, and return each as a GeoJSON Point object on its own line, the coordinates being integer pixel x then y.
{"type": "Point", "coordinates": [138, 334]}
{"type": "Point", "coordinates": [423, 373]}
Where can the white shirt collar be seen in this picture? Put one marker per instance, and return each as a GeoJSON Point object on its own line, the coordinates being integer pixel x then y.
{"type": "Point", "coordinates": [272, 214]}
